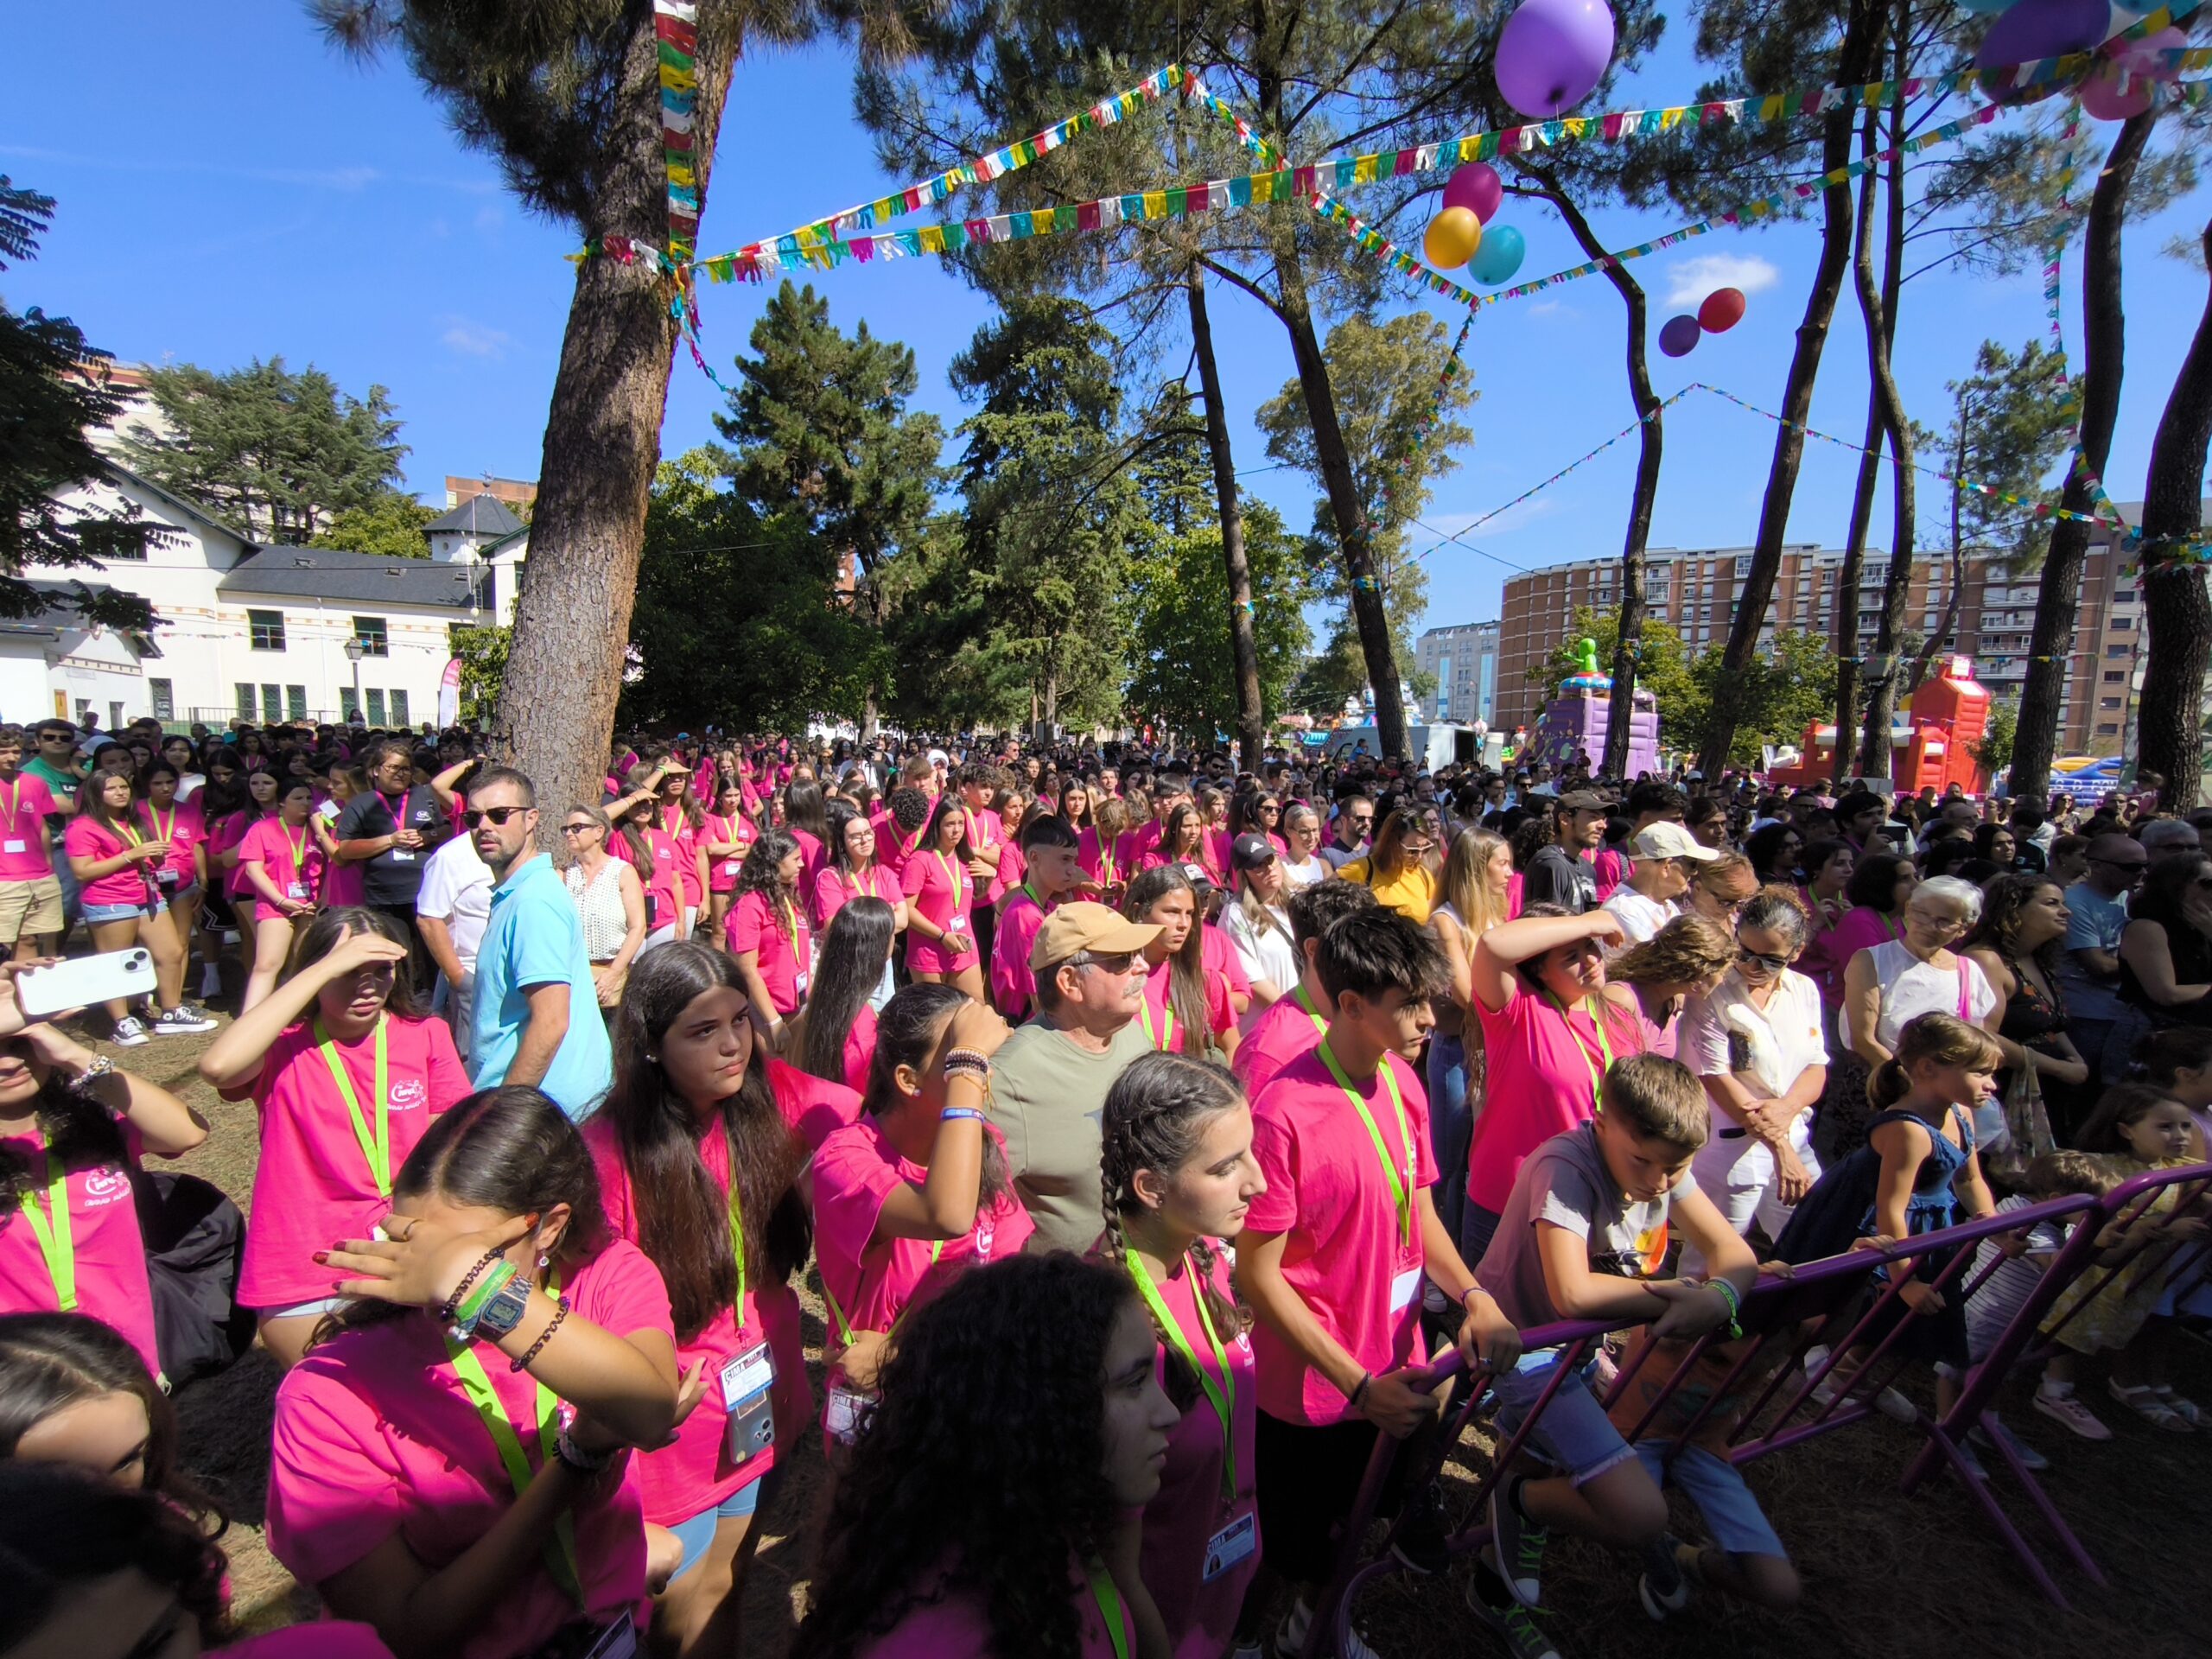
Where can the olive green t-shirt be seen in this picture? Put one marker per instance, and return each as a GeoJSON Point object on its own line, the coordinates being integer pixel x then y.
{"type": "Point", "coordinates": [1047, 1096]}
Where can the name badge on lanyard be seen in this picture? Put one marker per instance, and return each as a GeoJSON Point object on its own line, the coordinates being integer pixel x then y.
{"type": "Point", "coordinates": [751, 1423]}
{"type": "Point", "coordinates": [1233, 1543]}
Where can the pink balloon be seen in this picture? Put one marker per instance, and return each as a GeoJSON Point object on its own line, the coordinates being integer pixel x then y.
{"type": "Point", "coordinates": [1476, 186]}
{"type": "Point", "coordinates": [2102, 99]}
{"type": "Point", "coordinates": [2142, 61]}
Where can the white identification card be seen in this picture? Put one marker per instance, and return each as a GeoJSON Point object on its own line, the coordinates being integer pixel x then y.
{"type": "Point", "coordinates": [16, 846]}
{"type": "Point", "coordinates": [1403, 1288]}
{"type": "Point", "coordinates": [842, 1416]}
{"type": "Point", "coordinates": [749, 1427]}
{"type": "Point", "coordinates": [729, 867]}
{"type": "Point", "coordinates": [1233, 1543]}
{"type": "Point", "coordinates": [297, 890]}
{"type": "Point", "coordinates": [746, 1374]}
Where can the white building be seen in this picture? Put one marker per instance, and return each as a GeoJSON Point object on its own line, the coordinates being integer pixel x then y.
{"type": "Point", "coordinates": [259, 632]}
{"type": "Point", "coordinates": [1464, 659]}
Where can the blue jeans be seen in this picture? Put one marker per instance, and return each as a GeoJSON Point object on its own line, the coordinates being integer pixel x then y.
{"type": "Point", "coordinates": [1451, 1127]}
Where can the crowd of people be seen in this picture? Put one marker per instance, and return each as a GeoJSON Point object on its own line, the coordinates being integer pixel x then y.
{"type": "Point", "coordinates": [1146, 1125]}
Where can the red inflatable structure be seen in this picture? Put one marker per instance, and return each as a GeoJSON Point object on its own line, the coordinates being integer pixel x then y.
{"type": "Point", "coordinates": [1933, 748]}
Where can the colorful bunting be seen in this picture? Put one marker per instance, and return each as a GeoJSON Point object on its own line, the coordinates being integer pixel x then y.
{"type": "Point", "coordinates": [676, 33]}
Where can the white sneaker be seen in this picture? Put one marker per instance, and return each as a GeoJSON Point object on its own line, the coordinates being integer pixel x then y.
{"type": "Point", "coordinates": [181, 1021]}
{"type": "Point", "coordinates": [1291, 1636]}
{"type": "Point", "coordinates": [130, 1033]}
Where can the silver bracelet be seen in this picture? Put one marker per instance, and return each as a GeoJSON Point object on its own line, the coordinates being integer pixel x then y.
{"type": "Point", "coordinates": [580, 1460]}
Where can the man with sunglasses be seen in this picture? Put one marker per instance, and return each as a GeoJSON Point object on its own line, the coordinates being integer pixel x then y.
{"type": "Point", "coordinates": [2089, 974]}
{"type": "Point", "coordinates": [536, 1014]}
{"type": "Point", "coordinates": [1354, 824]}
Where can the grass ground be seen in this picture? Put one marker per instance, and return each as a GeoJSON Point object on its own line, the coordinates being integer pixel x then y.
{"type": "Point", "coordinates": [1885, 1577]}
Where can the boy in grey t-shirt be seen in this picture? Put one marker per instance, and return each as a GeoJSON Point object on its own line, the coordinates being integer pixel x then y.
{"type": "Point", "coordinates": [1583, 1234]}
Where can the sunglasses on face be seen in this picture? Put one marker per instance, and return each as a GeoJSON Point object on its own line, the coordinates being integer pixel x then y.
{"type": "Point", "coordinates": [566, 829]}
{"type": "Point", "coordinates": [499, 815]}
{"type": "Point", "coordinates": [1117, 964]}
{"type": "Point", "coordinates": [1761, 960]}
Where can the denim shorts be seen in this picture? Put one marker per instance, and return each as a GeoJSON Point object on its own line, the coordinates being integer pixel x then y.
{"type": "Point", "coordinates": [1731, 1515]}
{"type": "Point", "coordinates": [1574, 1434]}
{"type": "Point", "coordinates": [698, 1533]}
{"type": "Point", "coordinates": [97, 914]}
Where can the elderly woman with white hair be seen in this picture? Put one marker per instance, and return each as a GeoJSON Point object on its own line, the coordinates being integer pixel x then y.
{"type": "Point", "coordinates": [1887, 984]}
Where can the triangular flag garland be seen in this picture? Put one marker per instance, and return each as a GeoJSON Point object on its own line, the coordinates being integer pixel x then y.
{"type": "Point", "coordinates": [676, 37]}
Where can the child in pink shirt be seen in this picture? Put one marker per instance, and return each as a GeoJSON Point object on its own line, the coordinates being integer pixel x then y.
{"type": "Point", "coordinates": [767, 930]}
{"type": "Point", "coordinates": [1294, 1023]}
{"type": "Point", "coordinates": [347, 1073]}
{"type": "Point", "coordinates": [1180, 993]}
{"type": "Point", "coordinates": [1052, 873]}
{"type": "Point", "coordinates": [387, 1475]}
{"type": "Point", "coordinates": [941, 902]}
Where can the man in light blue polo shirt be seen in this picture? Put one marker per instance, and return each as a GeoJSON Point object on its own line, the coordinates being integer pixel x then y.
{"type": "Point", "coordinates": [537, 1016]}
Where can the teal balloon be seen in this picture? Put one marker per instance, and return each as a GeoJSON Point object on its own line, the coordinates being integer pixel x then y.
{"type": "Point", "coordinates": [1986, 7]}
{"type": "Point", "coordinates": [1499, 257]}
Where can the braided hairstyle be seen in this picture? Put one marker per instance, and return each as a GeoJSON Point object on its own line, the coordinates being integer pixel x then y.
{"type": "Point", "coordinates": [1155, 1115]}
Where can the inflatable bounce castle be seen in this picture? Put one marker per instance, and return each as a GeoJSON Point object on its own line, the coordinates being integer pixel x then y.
{"type": "Point", "coordinates": [1576, 721]}
{"type": "Point", "coordinates": [1933, 747]}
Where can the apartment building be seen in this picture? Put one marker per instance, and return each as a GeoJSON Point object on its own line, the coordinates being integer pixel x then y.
{"type": "Point", "coordinates": [1464, 660]}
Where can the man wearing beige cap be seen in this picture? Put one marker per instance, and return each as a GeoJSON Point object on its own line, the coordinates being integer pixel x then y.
{"type": "Point", "coordinates": [1049, 1079]}
{"type": "Point", "coordinates": [1647, 901]}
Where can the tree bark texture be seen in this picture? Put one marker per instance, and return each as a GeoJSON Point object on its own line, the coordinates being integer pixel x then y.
{"type": "Point", "coordinates": [1862, 497]}
{"type": "Point", "coordinates": [1896, 591]}
{"type": "Point", "coordinates": [1251, 719]}
{"type": "Point", "coordinates": [1855, 60]}
{"type": "Point", "coordinates": [2104, 336]}
{"type": "Point", "coordinates": [603, 439]}
{"type": "Point", "coordinates": [2169, 720]}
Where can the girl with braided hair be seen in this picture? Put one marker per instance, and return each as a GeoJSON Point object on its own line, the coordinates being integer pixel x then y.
{"type": "Point", "coordinates": [1177, 1175]}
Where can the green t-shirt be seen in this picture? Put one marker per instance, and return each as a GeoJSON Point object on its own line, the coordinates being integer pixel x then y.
{"type": "Point", "coordinates": [63, 784]}
{"type": "Point", "coordinates": [1047, 1096]}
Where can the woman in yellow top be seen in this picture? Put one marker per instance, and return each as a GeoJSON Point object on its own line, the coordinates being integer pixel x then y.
{"type": "Point", "coordinates": [1397, 868]}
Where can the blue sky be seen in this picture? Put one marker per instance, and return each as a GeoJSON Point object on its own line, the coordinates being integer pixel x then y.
{"type": "Point", "coordinates": [231, 187]}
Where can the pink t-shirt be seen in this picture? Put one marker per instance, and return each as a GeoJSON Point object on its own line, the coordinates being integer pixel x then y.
{"type": "Point", "coordinates": [1819, 962]}
{"type": "Point", "coordinates": [695, 1474]}
{"type": "Point", "coordinates": [1862, 929]}
{"type": "Point", "coordinates": [942, 893]}
{"type": "Point", "coordinates": [1224, 958]}
{"type": "Point", "coordinates": [664, 887]}
{"type": "Point", "coordinates": [25, 801]}
{"type": "Point", "coordinates": [89, 838]}
{"type": "Point", "coordinates": [686, 866]}
{"type": "Point", "coordinates": [784, 960]}
{"type": "Point", "coordinates": [1540, 1074]}
{"type": "Point", "coordinates": [811, 856]}
{"type": "Point", "coordinates": [1101, 863]}
{"type": "Point", "coordinates": [109, 1250]}
{"type": "Point", "coordinates": [375, 1438]}
{"type": "Point", "coordinates": [1190, 1509]}
{"type": "Point", "coordinates": [320, 1638]}
{"type": "Point", "coordinates": [956, 1625]}
{"type": "Point", "coordinates": [834, 889]}
{"type": "Point", "coordinates": [1013, 987]}
{"type": "Point", "coordinates": [1346, 1253]}
{"type": "Point", "coordinates": [874, 1279]}
{"type": "Point", "coordinates": [814, 1106]}
{"type": "Point", "coordinates": [722, 872]}
{"type": "Point", "coordinates": [312, 1185]}
{"type": "Point", "coordinates": [986, 829]}
{"type": "Point", "coordinates": [1281, 1034]}
{"type": "Point", "coordinates": [344, 883]}
{"type": "Point", "coordinates": [289, 858]}
{"type": "Point", "coordinates": [231, 833]}
{"type": "Point", "coordinates": [1153, 1016]}
{"type": "Point", "coordinates": [860, 1049]}
{"type": "Point", "coordinates": [894, 846]}
{"type": "Point", "coordinates": [184, 829]}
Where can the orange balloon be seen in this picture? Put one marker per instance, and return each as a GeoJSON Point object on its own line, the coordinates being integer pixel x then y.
{"type": "Point", "coordinates": [1452, 236]}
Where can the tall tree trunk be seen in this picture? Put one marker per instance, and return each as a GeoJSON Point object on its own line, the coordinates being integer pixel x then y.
{"type": "Point", "coordinates": [1874, 320]}
{"type": "Point", "coordinates": [602, 437]}
{"type": "Point", "coordinates": [1651, 441]}
{"type": "Point", "coordinates": [1855, 61]}
{"type": "Point", "coordinates": [1934, 644]}
{"type": "Point", "coordinates": [1251, 719]}
{"type": "Point", "coordinates": [2169, 731]}
{"type": "Point", "coordinates": [2104, 336]}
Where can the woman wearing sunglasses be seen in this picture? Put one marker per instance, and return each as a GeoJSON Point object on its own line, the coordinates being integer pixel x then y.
{"type": "Point", "coordinates": [610, 900]}
{"type": "Point", "coordinates": [1755, 1043]}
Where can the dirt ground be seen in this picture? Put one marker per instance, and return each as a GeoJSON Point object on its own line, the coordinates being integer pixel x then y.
{"type": "Point", "coordinates": [1885, 1577]}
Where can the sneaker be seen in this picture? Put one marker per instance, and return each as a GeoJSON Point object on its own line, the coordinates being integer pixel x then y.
{"type": "Point", "coordinates": [1664, 1587]}
{"type": "Point", "coordinates": [1519, 1547]}
{"type": "Point", "coordinates": [1889, 1401]}
{"type": "Point", "coordinates": [1290, 1636]}
{"type": "Point", "coordinates": [1513, 1626]}
{"type": "Point", "coordinates": [130, 1032]}
{"type": "Point", "coordinates": [1989, 1437]}
{"type": "Point", "coordinates": [1422, 1528]}
{"type": "Point", "coordinates": [1969, 1462]}
{"type": "Point", "coordinates": [2065, 1408]}
{"type": "Point", "coordinates": [181, 1021]}
{"type": "Point", "coordinates": [2146, 1403]}
{"type": "Point", "coordinates": [2181, 1405]}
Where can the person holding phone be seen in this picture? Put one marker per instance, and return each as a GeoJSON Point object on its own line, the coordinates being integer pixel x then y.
{"type": "Point", "coordinates": [114, 855]}
{"type": "Point", "coordinates": [283, 865]}
{"type": "Point", "coordinates": [390, 832]}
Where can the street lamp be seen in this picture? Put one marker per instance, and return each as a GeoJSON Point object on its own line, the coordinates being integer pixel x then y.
{"type": "Point", "coordinates": [354, 651]}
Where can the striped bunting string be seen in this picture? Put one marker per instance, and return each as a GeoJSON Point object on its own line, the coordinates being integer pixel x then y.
{"type": "Point", "coordinates": [676, 39]}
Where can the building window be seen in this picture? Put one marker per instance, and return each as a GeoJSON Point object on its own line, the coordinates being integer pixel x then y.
{"type": "Point", "coordinates": [2108, 702]}
{"type": "Point", "coordinates": [164, 695]}
{"type": "Point", "coordinates": [2122, 624]}
{"type": "Point", "coordinates": [296, 702]}
{"type": "Point", "coordinates": [245, 700]}
{"type": "Point", "coordinates": [115, 717]}
{"type": "Point", "coordinates": [376, 707]}
{"type": "Point", "coordinates": [399, 709]}
{"type": "Point", "coordinates": [2108, 728]}
{"type": "Point", "coordinates": [267, 630]}
{"type": "Point", "coordinates": [369, 630]}
{"type": "Point", "coordinates": [2115, 676]}
{"type": "Point", "coordinates": [348, 700]}
{"type": "Point", "coordinates": [272, 703]}
{"type": "Point", "coordinates": [2120, 651]}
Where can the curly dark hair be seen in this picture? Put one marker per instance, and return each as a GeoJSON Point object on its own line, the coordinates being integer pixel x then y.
{"type": "Point", "coordinates": [683, 1213]}
{"type": "Point", "coordinates": [2003, 901]}
{"type": "Point", "coordinates": [77, 1129]}
{"type": "Point", "coordinates": [974, 1477]}
{"type": "Point", "coordinates": [62, 1527]}
{"type": "Point", "coordinates": [762, 873]}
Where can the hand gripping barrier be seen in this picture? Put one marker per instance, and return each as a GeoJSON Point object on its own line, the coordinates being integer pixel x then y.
{"type": "Point", "coordinates": [1785, 1316]}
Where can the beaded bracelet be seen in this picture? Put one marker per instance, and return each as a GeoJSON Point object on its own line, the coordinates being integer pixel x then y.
{"type": "Point", "coordinates": [466, 1315]}
{"type": "Point", "coordinates": [560, 1312]}
{"type": "Point", "coordinates": [971, 1060]}
{"type": "Point", "coordinates": [950, 1112]}
{"type": "Point", "coordinates": [450, 1311]}
{"type": "Point", "coordinates": [577, 1459]}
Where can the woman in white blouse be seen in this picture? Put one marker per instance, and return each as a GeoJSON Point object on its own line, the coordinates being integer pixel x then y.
{"type": "Point", "coordinates": [1301, 832]}
{"type": "Point", "coordinates": [1259, 926]}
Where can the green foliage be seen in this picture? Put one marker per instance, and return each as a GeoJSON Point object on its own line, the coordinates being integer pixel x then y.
{"type": "Point", "coordinates": [53, 390]}
{"type": "Point", "coordinates": [275, 455]}
{"type": "Point", "coordinates": [389, 527]}
{"type": "Point", "coordinates": [1992, 750]}
{"type": "Point", "coordinates": [736, 619]}
{"type": "Point", "coordinates": [1181, 674]}
{"type": "Point", "coordinates": [2011, 425]}
{"type": "Point", "coordinates": [483, 653]}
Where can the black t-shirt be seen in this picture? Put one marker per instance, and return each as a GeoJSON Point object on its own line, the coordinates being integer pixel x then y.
{"type": "Point", "coordinates": [395, 875]}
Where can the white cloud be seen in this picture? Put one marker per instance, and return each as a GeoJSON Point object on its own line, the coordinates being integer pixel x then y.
{"type": "Point", "coordinates": [475, 338]}
{"type": "Point", "coordinates": [1546, 309]}
{"type": "Point", "coordinates": [489, 217]}
{"type": "Point", "coordinates": [1692, 279]}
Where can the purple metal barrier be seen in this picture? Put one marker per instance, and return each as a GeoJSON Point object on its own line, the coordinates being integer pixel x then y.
{"type": "Point", "coordinates": [1813, 1303]}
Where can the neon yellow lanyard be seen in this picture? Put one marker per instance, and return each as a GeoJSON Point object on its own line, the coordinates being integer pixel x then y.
{"type": "Point", "coordinates": [1306, 1001]}
{"type": "Point", "coordinates": [1164, 1035]}
{"type": "Point", "coordinates": [1221, 1397]}
{"type": "Point", "coordinates": [959, 878]}
{"type": "Point", "coordinates": [1102, 1591]}
{"type": "Point", "coordinates": [790, 924]}
{"type": "Point", "coordinates": [844, 1325]}
{"type": "Point", "coordinates": [56, 1236]}
{"type": "Point", "coordinates": [1605, 1046]}
{"type": "Point", "coordinates": [376, 1148]}
{"type": "Point", "coordinates": [299, 850]}
{"type": "Point", "coordinates": [561, 1549]}
{"type": "Point", "coordinates": [1889, 929]}
{"type": "Point", "coordinates": [164, 833]}
{"type": "Point", "coordinates": [14, 801]}
{"type": "Point", "coordinates": [1402, 1185]}
{"type": "Point", "coordinates": [737, 1230]}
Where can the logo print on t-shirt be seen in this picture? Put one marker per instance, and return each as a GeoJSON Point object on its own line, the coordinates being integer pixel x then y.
{"type": "Point", "coordinates": [105, 1186]}
{"type": "Point", "coordinates": [985, 1232]}
{"type": "Point", "coordinates": [409, 1091]}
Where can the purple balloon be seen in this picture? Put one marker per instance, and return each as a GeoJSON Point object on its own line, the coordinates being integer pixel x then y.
{"type": "Point", "coordinates": [1474, 186]}
{"type": "Point", "coordinates": [1553, 52]}
{"type": "Point", "coordinates": [2042, 29]}
{"type": "Point", "coordinates": [1680, 337]}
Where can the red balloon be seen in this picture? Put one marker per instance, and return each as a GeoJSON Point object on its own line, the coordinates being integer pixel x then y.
{"type": "Point", "coordinates": [1722, 310]}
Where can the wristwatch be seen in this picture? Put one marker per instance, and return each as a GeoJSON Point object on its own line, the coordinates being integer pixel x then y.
{"type": "Point", "coordinates": [504, 1311]}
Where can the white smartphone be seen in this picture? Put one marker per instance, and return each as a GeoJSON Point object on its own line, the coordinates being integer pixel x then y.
{"type": "Point", "coordinates": [84, 981]}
